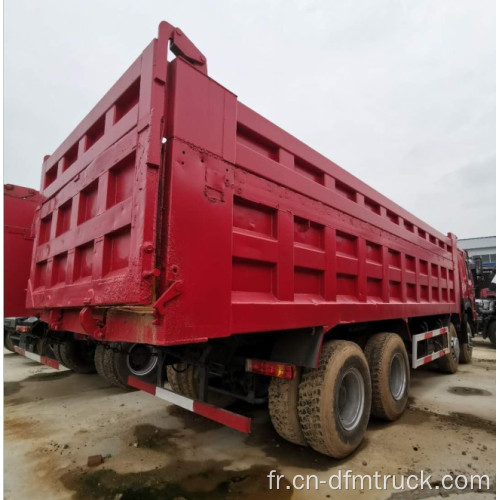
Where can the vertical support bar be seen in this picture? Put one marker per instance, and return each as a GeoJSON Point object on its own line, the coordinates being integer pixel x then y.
{"type": "Point", "coordinates": [102, 192]}
{"type": "Point", "coordinates": [81, 147]}
{"type": "Point", "coordinates": [98, 262]}
{"type": "Point", "coordinates": [330, 280]}
{"type": "Point", "coordinates": [329, 182]}
{"type": "Point", "coordinates": [285, 270]}
{"type": "Point", "coordinates": [109, 119]}
{"type": "Point", "coordinates": [286, 158]}
{"type": "Point", "coordinates": [385, 274]}
{"type": "Point", "coordinates": [60, 166]}
{"type": "Point", "coordinates": [362, 280]}
{"type": "Point", "coordinates": [429, 281]}
{"type": "Point", "coordinates": [404, 291]}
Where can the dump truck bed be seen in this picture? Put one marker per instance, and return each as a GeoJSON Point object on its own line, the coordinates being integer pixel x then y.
{"type": "Point", "coordinates": [174, 214]}
{"type": "Point", "coordinates": [19, 205]}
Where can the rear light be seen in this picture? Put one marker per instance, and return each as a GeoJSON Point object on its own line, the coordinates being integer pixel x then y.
{"type": "Point", "coordinates": [23, 329]}
{"type": "Point", "coordinates": [270, 368]}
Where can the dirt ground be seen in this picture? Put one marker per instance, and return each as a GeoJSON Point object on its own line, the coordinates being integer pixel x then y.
{"type": "Point", "coordinates": [55, 420]}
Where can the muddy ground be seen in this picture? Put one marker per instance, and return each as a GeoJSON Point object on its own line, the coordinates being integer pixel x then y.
{"type": "Point", "coordinates": [55, 420]}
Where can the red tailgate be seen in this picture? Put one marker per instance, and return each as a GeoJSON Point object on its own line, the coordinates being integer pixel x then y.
{"type": "Point", "coordinates": [96, 230]}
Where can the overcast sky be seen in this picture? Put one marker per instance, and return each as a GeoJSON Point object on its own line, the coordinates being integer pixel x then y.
{"type": "Point", "coordinates": [400, 93]}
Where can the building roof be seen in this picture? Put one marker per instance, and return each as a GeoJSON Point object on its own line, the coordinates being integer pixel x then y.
{"type": "Point", "coordinates": [476, 243]}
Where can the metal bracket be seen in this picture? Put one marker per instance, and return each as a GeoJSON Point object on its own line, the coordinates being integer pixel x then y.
{"type": "Point", "coordinates": [420, 337]}
{"type": "Point", "coordinates": [170, 293]}
{"type": "Point", "coordinates": [181, 46]}
{"type": "Point", "coordinates": [55, 319]}
{"type": "Point", "coordinates": [91, 325]}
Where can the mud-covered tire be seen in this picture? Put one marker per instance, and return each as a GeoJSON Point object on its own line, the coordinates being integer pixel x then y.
{"type": "Point", "coordinates": [99, 360]}
{"type": "Point", "coordinates": [335, 400]}
{"type": "Point", "coordinates": [78, 355]}
{"type": "Point", "coordinates": [466, 348]}
{"type": "Point", "coordinates": [57, 354]}
{"type": "Point", "coordinates": [449, 362]}
{"type": "Point", "coordinates": [106, 367]}
{"type": "Point", "coordinates": [390, 375]}
{"type": "Point", "coordinates": [43, 347]}
{"type": "Point", "coordinates": [7, 342]}
{"type": "Point", "coordinates": [184, 380]}
{"type": "Point", "coordinates": [283, 397]}
{"type": "Point", "coordinates": [188, 381]}
{"type": "Point", "coordinates": [492, 333]}
{"type": "Point", "coordinates": [173, 376]}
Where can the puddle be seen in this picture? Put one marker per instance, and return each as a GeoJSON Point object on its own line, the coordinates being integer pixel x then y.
{"type": "Point", "coordinates": [19, 401]}
{"type": "Point", "coordinates": [191, 420]}
{"type": "Point", "coordinates": [19, 428]}
{"type": "Point", "coordinates": [10, 388]}
{"type": "Point", "coordinates": [415, 416]}
{"type": "Point", "coordinates": [472, 421]}
{"type": "Point", "coordinates": [288, 454]}
{"type": "Point", "coordinates": [468, 391]}
{"type": "Point", "coordinates": [191, 480]}
{"type": "Point", "coordinates": [154, 438]}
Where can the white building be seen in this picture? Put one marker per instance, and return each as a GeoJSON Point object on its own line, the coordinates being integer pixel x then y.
{"type": "Point", "coordinates": [484, 247]}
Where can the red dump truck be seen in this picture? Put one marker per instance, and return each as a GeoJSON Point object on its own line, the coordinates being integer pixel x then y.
{"type": "Point", "coordinates": [19, 205]}
{"type": "Point", "coordinates": [184, 237]}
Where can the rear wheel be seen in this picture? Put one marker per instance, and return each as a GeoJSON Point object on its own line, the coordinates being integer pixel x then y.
{"type": "Point", "coordinates": [184, 379]}
{"type": "Point", "coordinates": [104, 363]}
{"type": "Point", "coordinates": [449, 362]}
{"type": "Point", "coordinates": [57, 353]}
{"type": "Point", "coordinates": [77, 355]}
{"type": "Point", "coordinates": [117, 363]}
{"type": "Point", "coordinates": [8, 343]}
{"type": "Point", "coordinates": [335, 400]}
{"type": "Point", "coordinates": [282, 402]}
{"type": "Point", "coordinates": [492, 333]}
{"type": "Point", "coordinates": [390, 375]}
{"type": "Point", "coordinates": [466, 347]}
{"type": "Point", "coordinates": [173, 376]}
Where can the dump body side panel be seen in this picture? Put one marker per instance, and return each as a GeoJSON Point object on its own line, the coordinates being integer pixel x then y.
{"type": "Point", "coordinates": [266, 234]}
{"type": "Point", "coordinates": [19, 204]}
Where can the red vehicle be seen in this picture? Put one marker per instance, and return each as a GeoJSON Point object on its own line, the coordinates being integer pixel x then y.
{"type": "Point", "coordinates": [19, 210]}
{"type": "Point", "coordinates": [184, 236]}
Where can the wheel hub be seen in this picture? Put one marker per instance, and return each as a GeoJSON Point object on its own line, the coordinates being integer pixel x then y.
{"type": "Point", "coordinates": [455, 347]}
{"type": "Point", "coordinates": [397, 376]}
{"type": "Point", "coordinates": [141, 359]}
{"type": "Point", "coordinates": [351, 399]}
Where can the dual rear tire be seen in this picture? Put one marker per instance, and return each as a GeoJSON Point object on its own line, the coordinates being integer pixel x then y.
{"type": "Point", "coordinates": [328, 408]}
{"type": "Point", "coordinates": [115, 363]}
{"type": "Point", "coordinates": [184, 379]}
{"type": "Point", "coordinates": [77, 355]}
{"type": "Point", "coordinates": [8, 342]}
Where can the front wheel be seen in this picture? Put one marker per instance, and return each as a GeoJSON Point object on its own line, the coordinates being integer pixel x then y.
{"type": "Point", "coordinates": [7, 342]}
{"type": "Point", "coordinates": [466, 347]}
{"type": "Point", "coordinates": [492, 332]}
{"type": "Point", "coordinates": [335, 400]}
{"type": "Point", "coordinates": [449, 362]}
